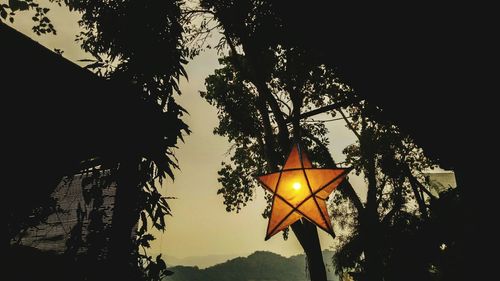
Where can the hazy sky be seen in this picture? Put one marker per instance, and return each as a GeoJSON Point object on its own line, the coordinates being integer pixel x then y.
{"type": "Point", "coordinates": [200, 225]}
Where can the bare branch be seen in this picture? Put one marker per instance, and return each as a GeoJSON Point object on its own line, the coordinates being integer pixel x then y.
{"type": "Point", "coordinates": [335, 106]}
{"type": "Point", "coordinates": [345, 187]}
{"type": "Point", "coordinates": [350, 125]}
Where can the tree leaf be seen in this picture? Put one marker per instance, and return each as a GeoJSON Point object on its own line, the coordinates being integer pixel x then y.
{"type": "Point", "coordinates": [17, 5]}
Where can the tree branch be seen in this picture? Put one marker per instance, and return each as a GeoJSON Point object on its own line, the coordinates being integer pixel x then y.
{"type": "Point", "coordinates": [200, 11]}
{"type": "Point", "coordinates": [335, 106]}
{"type": "Point", "coordinates": [283, 133]}
{"type": "Point", "coordinates": [421, 203]}
{"type": "Point", "coordinates": [261, 106]}
{"type": "Point", "coordinates": [350, 125]}
{"type": "Point", "coordinates": [345, 187]}
{"type": "Point", "coordinates": [381, 189]}
{"type": "Point", "coordinates": [389, 215]}
{"type": "Point", "coordinates": [398, 189]}
{"type": "Point", "coordinates": [287, 106]}
{"type": "Point", "coordinates": [264, 93]}
{"type": "Point", "coordinates": [422, 187]}
{"type": "Point", "coordinates": [330, 162]}
{"type": "Point", "coordinates": [414, 185]}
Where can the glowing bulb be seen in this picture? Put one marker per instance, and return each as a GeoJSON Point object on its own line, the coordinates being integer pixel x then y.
{"type": "Point", "coordinates": [296, 185]}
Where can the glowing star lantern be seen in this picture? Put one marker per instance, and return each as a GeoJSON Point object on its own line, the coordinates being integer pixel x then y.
{"type": "Point", "coordinates": [299, 190]}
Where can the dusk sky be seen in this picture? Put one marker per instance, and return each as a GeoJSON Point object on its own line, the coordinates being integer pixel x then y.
{"type": "Point", "coordinates": [200, 226]}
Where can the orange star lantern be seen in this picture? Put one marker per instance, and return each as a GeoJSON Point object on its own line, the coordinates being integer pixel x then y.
{"type": "Point", "coordinates": [299, 190]}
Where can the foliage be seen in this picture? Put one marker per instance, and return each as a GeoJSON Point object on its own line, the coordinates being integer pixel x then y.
{"type": "Point", "coordinates": [154, 270]}
{"type": "Point", "coordinates": [414, 248]}
{"type": "Point", "coordinates": [280, 80]}
{"type": "Point", "coordinates": [140, 44]}
{"type": "Point", "coordinates": [42, 24]}
{"type": "Point", "coordinates": [393, 168]}
{"type": "Point", "coordinates": [22, 221]}
{"type": "Point", "coordinates": [236, 99]}
{"type": "Point", "coordinates": [259, 66]}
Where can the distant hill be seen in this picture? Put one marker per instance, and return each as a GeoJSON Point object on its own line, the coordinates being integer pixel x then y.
{"type": "Point", "coordinates": [259, 266]}
{"type": "Point", "coordinates": [201, 261]}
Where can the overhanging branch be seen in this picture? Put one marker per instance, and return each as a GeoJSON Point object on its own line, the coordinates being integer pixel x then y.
{"type": "Point", "coordinates": [330, 107]}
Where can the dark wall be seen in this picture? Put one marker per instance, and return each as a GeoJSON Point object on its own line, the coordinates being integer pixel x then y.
{"type": "Point", "coordinates": [58, 114]}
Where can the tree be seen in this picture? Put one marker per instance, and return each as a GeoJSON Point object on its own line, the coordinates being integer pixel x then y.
{"type": "Point", "coordinates": [395, 207]}
{"type": "Point", "coordinates": [260, 94]}
{"type": "Point", "coordinates": [252, 121]}
{"type": "Point", "coordinates": [251, 31]}
{"type": "Point", "coordinates": [397, 196]}
{"type": "Point", "coordinates": [397, 203]}
{"type": "Point", "coordinates": [139, 44]}
{"type": "Point", "coordinates": [400, 232]}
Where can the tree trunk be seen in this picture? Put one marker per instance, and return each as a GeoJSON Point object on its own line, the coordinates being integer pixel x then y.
{"type": "Point", "coordinates": [125, 218]}
{"type": "Point", "coordinates": [370, 225]}
{"type": "Point", "coordinates": [373, 259]}
{"type": "Point", "coordinates": [370, 229]}
{"type": "Point", "coordinates": [307, 234]}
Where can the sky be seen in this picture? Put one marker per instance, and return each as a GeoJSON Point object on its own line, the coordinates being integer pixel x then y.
{"type": "Point", "coordinates": [200, 226]}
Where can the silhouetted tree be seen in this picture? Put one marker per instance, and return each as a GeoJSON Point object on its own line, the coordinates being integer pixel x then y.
{"type": "Point", "coordinates": [258, 121]}
{"type": "Point", "coordinates": [250, 30]}
{"type": "Point", "coordinates": [396, 200]}
{"type": "Point", "coordinates": [262, 87]}
{"type": "Point", "coordinates": [140, 44]}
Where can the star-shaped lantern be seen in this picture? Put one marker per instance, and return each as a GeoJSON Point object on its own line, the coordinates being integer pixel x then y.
{"type": "Point", "coordinates": [299, 190]}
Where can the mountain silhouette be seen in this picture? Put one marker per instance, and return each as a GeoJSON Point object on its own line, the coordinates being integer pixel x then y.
{"type": "Point", "coordinates": [259, 266]}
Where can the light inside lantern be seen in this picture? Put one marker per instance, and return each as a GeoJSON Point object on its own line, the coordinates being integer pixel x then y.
{"type": "Point", "coordinates": [296, 185]}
